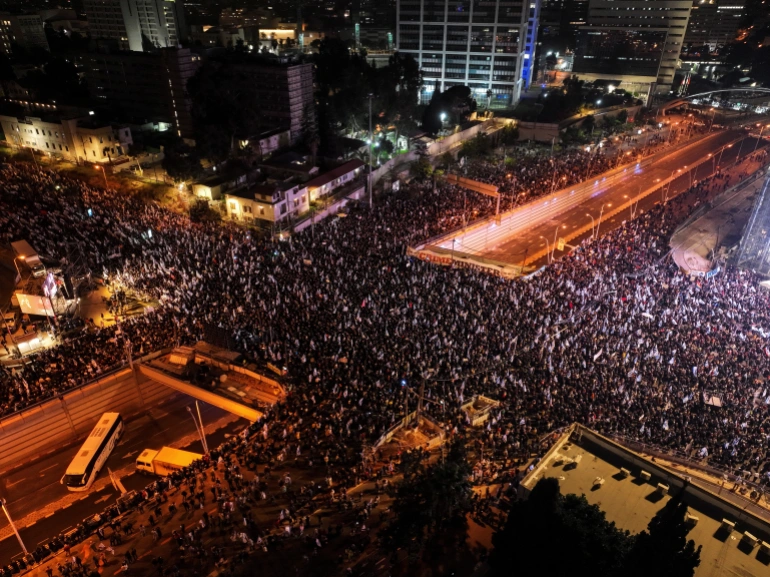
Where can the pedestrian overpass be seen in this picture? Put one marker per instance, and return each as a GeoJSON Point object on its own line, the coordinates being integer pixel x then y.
{"type": "Point", "coordinates": [218, 377]}
{"type": "Point", "coordinates": [687, 99]}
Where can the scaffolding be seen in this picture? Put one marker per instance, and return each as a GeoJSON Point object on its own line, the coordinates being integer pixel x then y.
{"type": "Point", "coordinates": [754, 251]}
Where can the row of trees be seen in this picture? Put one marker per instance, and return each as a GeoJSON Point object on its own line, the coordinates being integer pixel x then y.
{"type": "Point", "coordinates": [346, 81]}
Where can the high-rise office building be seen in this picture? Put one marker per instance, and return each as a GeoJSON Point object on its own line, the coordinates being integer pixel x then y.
{"type": "Point", "coordinates": [137, 25]}
{"type": "Point", "coordinates": [561, 18]}
{"type": "Point", "coordinates": [714, 23]}
{"type": "Point", "coordinates": [145, 87]}
{"type": "Point", "coordinates": [486, 45]}
{"type": "Point", "coordinates": [24, 30]}
{"type": "Point", "coordinates": [634, 42]}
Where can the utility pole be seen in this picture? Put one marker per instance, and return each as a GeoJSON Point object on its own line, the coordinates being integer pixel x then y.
{"type": "Point", "coordinates": [13, 526]}
{"type": "Point", "coordinates": [201, 433]}
{"type": "Point", "coordinates": [371, 146]}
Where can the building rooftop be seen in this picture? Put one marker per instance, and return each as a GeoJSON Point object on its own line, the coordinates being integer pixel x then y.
{"type": "Point", "coordinates": [579, 459]}
{"type": "Point", "coordinates": [292, 162]}
{"type": "Point", "coordinates": [335, 173]}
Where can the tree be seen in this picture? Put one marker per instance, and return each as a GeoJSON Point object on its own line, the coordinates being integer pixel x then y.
{"type": "Point", "coordinates": [386, 146]}
{"type": "Point", "coordinates": [447, 160]}
{"type": "Point", "coordinates": [508, 135]}
{"type": "Point", "coordinates": [431, 118]}
{"type": "Point", "coordinates": [421, 169]}
{"type": "Point", "coordinates": [181, 164]}
{"type": "Point", "coordinates": [225, 105]}
{"type": "Point", "coordinates": [663, 549]}
{"type": "Point", "coordinates": [200, 211]}
{"type": "Point", "coordinates": [477, 147]}
{"type": "Point", "coordinates": [430, 500]}
{"type": "Point", "coordinates": [586, 539]}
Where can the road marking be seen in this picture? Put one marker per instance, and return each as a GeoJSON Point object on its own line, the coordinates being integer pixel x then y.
{"type": "Point", "coordinates": [16, 483]}
{"type": "Point", "coordinates": [49, 468]}
{"type": "Point", "coordinates": [103, 499]}
{"type": "Point", "coordinates": [131, 454]}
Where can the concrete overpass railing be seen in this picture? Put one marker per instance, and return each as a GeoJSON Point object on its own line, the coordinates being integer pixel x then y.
{"type": "Point", "coordinates": [68, 418]}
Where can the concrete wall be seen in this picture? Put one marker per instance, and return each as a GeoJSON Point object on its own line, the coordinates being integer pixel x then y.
{"type": "Point", "coordinates": [395, 164]}
{"type": "Point", "coordinates": [68, 419]}
{"type": "Point", "coordinates": [539, 131]}
{"type": "Point", "coordinates": [333, 208]}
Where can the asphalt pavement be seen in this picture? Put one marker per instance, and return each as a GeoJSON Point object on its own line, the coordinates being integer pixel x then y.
{"type": "Point", "coordinates": [34, 490]}
{"type": "Point", "coordinates": [497, 243]}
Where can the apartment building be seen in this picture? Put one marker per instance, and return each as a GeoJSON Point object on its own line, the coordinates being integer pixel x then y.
{"type": "Point", "coordinates": [76, 139]}
{"type": "Point", "coordinates": [285, 93]}
{"type": "Point", "coordinates": [146, 87]}
{"type": "Point", "coordinates": [137, 25]}
{"type": "Point", "coordinates": [280, 200]}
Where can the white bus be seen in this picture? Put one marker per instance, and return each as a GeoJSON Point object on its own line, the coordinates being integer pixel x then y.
{"type": "Point", "coordinates": [91, 457]}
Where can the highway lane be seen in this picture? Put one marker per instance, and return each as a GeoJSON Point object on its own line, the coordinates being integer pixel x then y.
{"type": "Point", "coordinates": [678, 186]}
{"type": "Point", "coordinates": [501, 244]}
{"type": "Point", "coordinates": [36, 487]}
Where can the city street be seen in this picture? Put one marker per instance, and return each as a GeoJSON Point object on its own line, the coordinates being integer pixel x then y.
{"type": "Point", "coordinates": [500, 244]}
{"type": "Point", "coordinates": [35, 490]}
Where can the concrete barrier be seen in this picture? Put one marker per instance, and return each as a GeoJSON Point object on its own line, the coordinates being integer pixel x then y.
{"type": "Point", "coordinates": [543, 209]}
{"type": "Point", "coordinates": [66, 419]}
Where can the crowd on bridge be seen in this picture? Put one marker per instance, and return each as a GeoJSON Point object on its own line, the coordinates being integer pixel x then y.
{"type": "Point", "coordinates": [613, 335]}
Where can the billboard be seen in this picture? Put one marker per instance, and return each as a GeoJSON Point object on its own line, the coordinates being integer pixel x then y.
{"type": "Point", "coordinates": [34, 305]}
{"type": "Point", "coordinates": [49, 286]}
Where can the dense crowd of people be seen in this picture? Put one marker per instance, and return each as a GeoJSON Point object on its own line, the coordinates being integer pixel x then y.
{"type": "Point", "coordinates": [613, 335]}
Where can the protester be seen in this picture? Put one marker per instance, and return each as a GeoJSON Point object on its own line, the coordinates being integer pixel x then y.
{"type": "Point", "coordinates": [613, 335]}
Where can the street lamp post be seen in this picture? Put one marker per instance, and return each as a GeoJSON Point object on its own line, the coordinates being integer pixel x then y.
{"type": "Point", "coordinates": [740, 148]}
{"type": "Point", "coordinates": [593, 224]}
{"type": "Point", "coordinates": [713, 116]}
{"type": "Point", "coordinates": [670, 180]}
{"type": "Point", "coordinates": [199, 427]}
{"type": "Point", "coordinates": [16, 264]}
{"type": "Point", "coordinates": [689, 172]}
{"type": "Point", "coordinates": [721, 152]}
{"type": "Point", "coordinates": [13, 526]}
{"type": "Point", "coordinates": [598, 224]}
{"type": "Point", "coordinates": [103, 173]}
{"type": "Point", "coordinates": [760, 136]}
{"type": "Point", "coordinates": [547, 248]}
